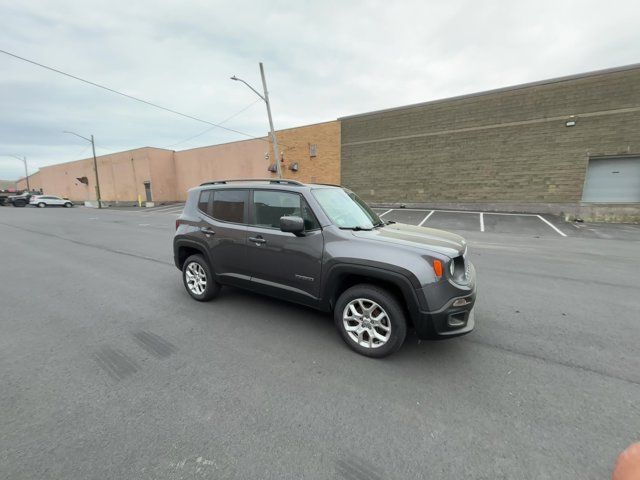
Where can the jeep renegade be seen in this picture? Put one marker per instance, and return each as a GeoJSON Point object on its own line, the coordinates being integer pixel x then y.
{"type": "Point", "coordinates": [322, 246]}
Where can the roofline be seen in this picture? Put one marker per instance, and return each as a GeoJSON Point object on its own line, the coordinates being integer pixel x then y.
{"type": "Point", "coordinates": [337, 120]}
{"type": "Point", "coordinates": [537, 83]}
{"type": "Point", "coordinates": [261, 139]}
{"type": "Point", "coordinates": [104, 155]}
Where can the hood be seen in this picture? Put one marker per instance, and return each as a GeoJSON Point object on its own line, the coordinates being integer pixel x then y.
{"type": "Point", "coordinates": [438, 241]}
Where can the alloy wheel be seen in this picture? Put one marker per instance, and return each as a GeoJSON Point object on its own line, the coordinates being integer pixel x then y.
{"type": "Point", "coordinates": [366, 323]}
{"type": "Point", "coordinates": [196, 278]}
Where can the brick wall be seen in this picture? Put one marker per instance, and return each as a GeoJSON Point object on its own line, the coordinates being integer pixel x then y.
{"type": "Point", "coordinates": [504, 146]}
{"type": "Point", "coordinates": [295, 144]}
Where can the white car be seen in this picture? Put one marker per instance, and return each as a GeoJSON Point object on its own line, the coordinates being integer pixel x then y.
{"type": "Point", "coordinates": [50, 201]}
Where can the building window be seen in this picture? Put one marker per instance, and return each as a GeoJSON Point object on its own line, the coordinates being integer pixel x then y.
{"type": "Point", "coordinates": [313, 149]}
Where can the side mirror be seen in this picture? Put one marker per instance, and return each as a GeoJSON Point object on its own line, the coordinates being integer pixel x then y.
{"type": "Point", "coordinates": [293, 225]}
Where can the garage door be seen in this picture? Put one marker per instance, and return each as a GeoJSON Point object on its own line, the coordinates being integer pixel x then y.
{"type": "Point", "coordinates": [613, 180]}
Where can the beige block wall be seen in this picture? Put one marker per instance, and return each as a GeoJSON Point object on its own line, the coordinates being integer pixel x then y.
{"type": "Point", "coordinates": [295, 143]}
{"type": "Point", "coordinates": [244, 159]}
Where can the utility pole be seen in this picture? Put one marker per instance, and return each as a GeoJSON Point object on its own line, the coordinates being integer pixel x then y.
{"type": "Point", "coordinates": [26, 172]}
{"type": "Point", "coordinates": [95, 167]}
{"type": "Point", "coordinates": [265, 98]}
{"type": "Point", "coordinates": [95, 164]}
{"type": "Point", "coordinates": [276, 150]}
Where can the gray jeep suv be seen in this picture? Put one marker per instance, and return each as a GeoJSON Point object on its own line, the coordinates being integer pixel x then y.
{"type": "Point", "coordinates": [321, 246]}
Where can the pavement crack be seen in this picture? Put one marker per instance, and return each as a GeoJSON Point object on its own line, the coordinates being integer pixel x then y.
{"type": "Point", "coordinates": [553, 361]}
{"type": "Point", "coordinates": [90, 245]}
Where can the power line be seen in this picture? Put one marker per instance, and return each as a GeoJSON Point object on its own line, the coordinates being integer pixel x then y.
{"type": "Point", "coordinates": [211, 128]}
{"type": "Point", "coordinates": [131, 97]}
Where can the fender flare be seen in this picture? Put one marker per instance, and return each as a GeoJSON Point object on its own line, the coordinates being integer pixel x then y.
{"type": "Point", "coordinates": [404, 280]}
{"type": "Point", "coordinates": [183, 242]}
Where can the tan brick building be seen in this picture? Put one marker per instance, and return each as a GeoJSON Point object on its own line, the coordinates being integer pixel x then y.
{"type": "Point", "coordinates": [311, 153]}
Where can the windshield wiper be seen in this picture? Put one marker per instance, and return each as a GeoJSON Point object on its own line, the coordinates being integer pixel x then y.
{"type": "Point", "coordinates": [357, 228]}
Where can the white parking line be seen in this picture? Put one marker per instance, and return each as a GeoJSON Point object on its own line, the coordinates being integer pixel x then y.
{"type": "Point", "coordinates": [481, 221]}
{"type": "Point", "coordinates": [166, 207]}
{"type": "Point", "coordinates": [383, 214]}
{"type": "Point", "coordinates": [426, 218]}
{"type": "Point", "coordinates": [460, 211]}
{"type": "Point", "coordinates": [551, 225]}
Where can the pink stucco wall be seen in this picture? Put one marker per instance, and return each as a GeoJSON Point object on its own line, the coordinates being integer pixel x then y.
{"type": "Point", "coordinates": [245, 159]}
{"type": "Point", "coordinates": [172, 174]}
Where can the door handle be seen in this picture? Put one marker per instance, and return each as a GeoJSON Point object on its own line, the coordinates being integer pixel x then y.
{"type": "Point", "coordinates": [207, 231]}
{"type": "Point", "coordinates": [258, 240]}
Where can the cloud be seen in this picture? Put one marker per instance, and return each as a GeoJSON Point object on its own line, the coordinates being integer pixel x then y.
{"type": "Point", "coordinates": [323, 60]}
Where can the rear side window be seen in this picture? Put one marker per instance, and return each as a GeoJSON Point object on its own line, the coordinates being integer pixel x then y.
{"type": "Point", "coordinates": [229, 205]}
{"type": "Point", "coordinates": [203, 202]}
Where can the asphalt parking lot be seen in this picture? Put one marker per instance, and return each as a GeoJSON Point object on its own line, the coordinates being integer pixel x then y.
{"type": "Point", "coordinates": [109, 370]}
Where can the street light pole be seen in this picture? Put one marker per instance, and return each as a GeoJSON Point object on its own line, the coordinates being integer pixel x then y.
{"type": "Point", "coordinates": [95, 164]}
{"type": "Point", "coordinates": [265, 98]}
{"type": "Point", "coordinates": [23, 159]}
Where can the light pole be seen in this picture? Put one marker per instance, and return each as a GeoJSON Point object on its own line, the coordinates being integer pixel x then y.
{"type": "Point", "coordinates": [95, 163]}
{"type": "Point", "coordinates": [265, 97]}
{"type": "Point", "coordinates": [26, 171]}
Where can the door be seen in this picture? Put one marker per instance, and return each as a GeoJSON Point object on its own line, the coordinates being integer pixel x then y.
{"type": "Point", "coordinates": [612, 180]}
{"type": "Point", "coordinates": [223, 218]}
{"type": "Point", "coordinates": [284, 264]}
{"type": "Point", "coordinates": [147, 191]}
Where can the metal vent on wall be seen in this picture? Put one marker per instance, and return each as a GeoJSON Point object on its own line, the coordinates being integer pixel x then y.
{"type": "Point", "coordinates": [313, 150]}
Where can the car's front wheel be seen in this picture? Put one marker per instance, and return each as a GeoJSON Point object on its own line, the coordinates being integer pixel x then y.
{"type": "Point", "coordinates": [68, 205]}
{"type": "Point", "coordinates": [198, 279]}
{"type": "Point", "coordinates": [42, 205]}
{"type": "Point", "coordinates": [370, 320]}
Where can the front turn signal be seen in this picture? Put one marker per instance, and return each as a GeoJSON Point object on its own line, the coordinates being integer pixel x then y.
{"type": "Point", "coordinates": [437, 268]}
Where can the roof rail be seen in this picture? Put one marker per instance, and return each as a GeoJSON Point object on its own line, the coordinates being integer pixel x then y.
{"type": "Point", "coordinates": [283, 181]}
{"type": "Point", "coordinates": [328, 184]}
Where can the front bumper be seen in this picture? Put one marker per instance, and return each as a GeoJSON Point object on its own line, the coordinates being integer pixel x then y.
{"type": "Point", "coordinates": [452, 317]}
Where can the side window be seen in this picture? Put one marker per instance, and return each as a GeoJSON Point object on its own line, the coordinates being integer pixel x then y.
{"type": "Point", "coordinates": [270, 205]}
{"type": "Point", "coordinates": [228, 205]}
{"type": "Point", "coordinates": [203, 201]}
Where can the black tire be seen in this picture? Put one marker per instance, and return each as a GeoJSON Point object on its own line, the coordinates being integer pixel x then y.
{"type": "Point", "coordinates": [395, 318]}
{"type": "Point", "coordinates": [68, 205]}
{"type": "Point", "coordinates": [212, 287]}
{"type": "Point", "coordinates": [42, 205]}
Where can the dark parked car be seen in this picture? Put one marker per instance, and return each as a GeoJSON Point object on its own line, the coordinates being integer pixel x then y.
{"type": "Point", "coordinates": [21, 200]}
{"type": "Point", "coordinates": [321, 246]}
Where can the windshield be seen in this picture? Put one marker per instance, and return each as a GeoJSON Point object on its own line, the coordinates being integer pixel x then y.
{"type": "Point", "coordinates": [345, 209]}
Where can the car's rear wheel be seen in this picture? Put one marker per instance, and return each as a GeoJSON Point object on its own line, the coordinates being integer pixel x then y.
{"type": "Point", "coordinates": [370, 320]}
{"type": "Point", "coordinates": [198, 279]}
{"type": "Point", "coordinates": [68, 205]}
{"type": "Point", "coordinates": [42, 205]}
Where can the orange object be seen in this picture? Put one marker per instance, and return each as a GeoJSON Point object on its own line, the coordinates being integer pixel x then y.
{"type": "Point", "coordinates": [437, 267]}
{"type": "Point", "coordinates": [628, 464]}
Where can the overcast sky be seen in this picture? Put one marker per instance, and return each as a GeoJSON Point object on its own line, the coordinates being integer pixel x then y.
{"type": "Point", "coordinates": [323, 60]}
